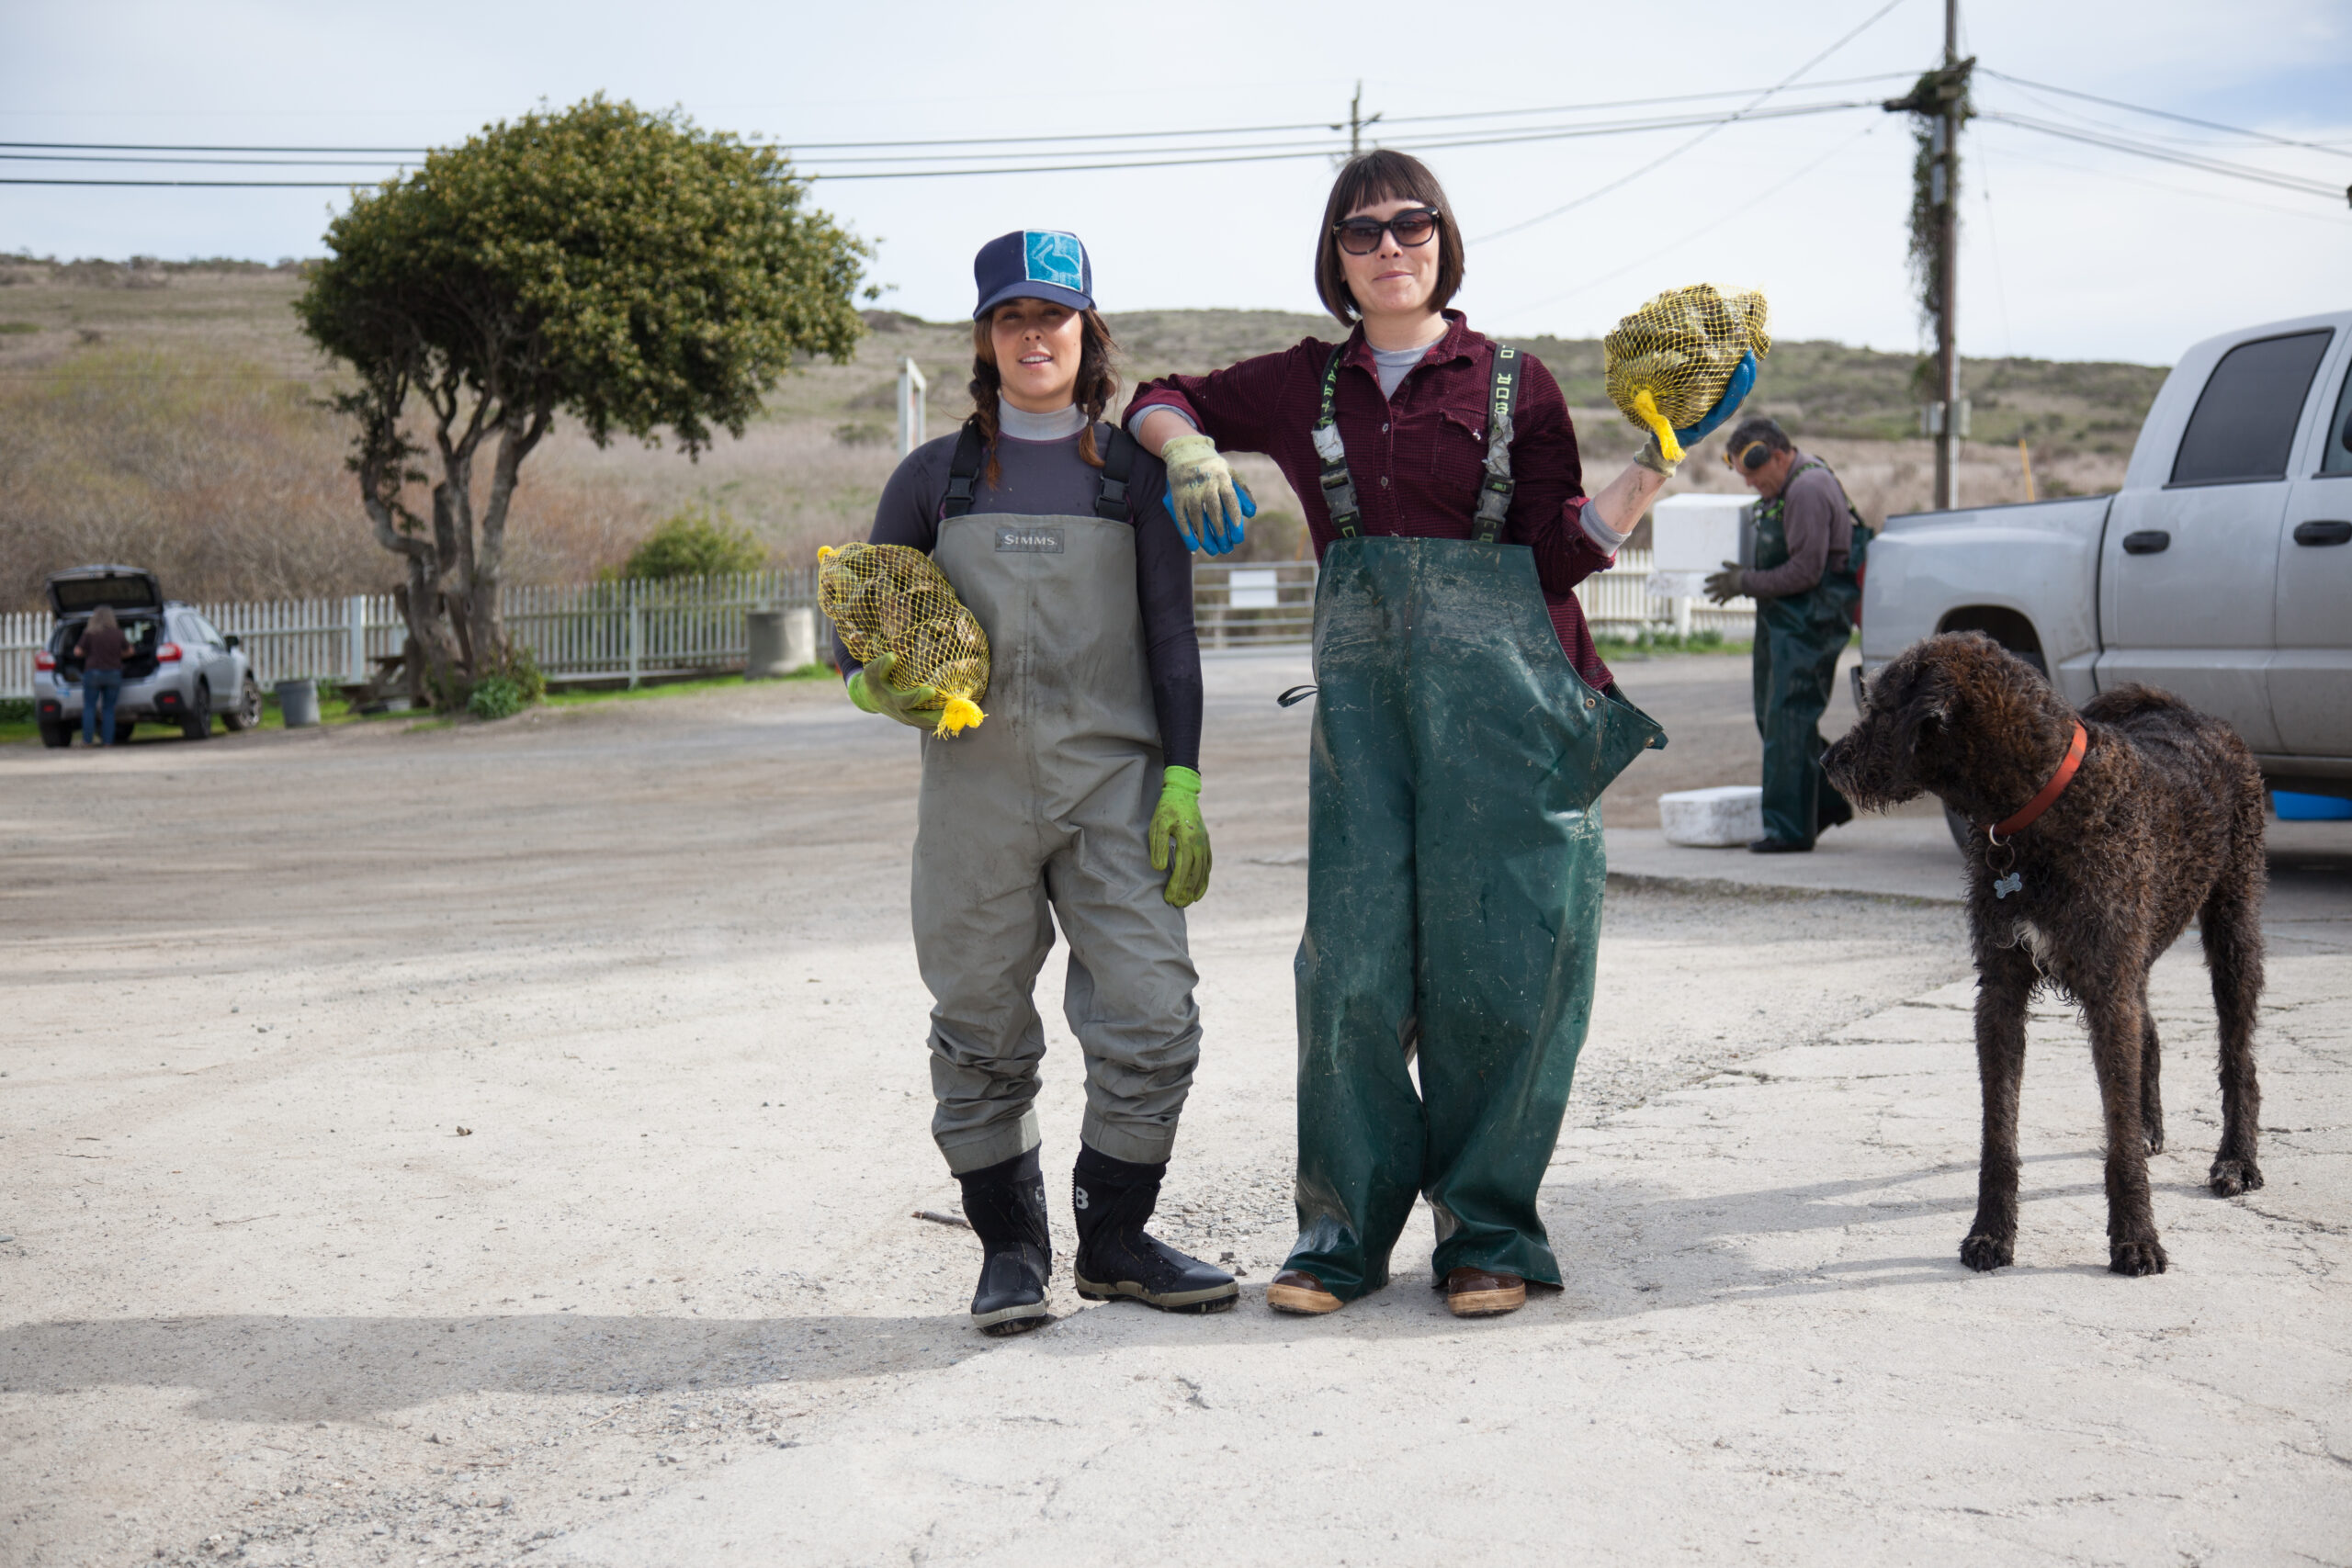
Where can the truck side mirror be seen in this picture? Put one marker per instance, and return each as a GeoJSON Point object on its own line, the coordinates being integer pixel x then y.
{"type": "Point", "coordinates": [232, 640]}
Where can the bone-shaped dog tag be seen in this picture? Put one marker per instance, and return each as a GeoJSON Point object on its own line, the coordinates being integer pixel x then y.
{"type": "Point", "coordinates": [2004, 886]}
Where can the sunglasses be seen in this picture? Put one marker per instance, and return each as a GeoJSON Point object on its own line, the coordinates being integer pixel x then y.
{"type": "Point", "coordinates": [1361, 236]}
{"type": "Point", "coordinates": [1752, 457]}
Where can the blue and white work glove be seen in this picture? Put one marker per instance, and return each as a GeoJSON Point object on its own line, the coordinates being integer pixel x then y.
{"type": "Point", "coordinates": [1736, 390]}
{"type": "Point", "coordinates": [1207, 503]}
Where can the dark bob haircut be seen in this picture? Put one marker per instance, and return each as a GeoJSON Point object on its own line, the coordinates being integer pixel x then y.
{"type": "Point", "coordinates": [1366, 181]}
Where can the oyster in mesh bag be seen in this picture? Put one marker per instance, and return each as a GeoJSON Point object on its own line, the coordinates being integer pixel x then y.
{"type": "Point", "coordinates": [1669, 361]}
{"type": "Point", "coordinates": [890, 599]}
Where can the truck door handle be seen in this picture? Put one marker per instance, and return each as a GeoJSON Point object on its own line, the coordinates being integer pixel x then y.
{"type": "Point", "coordinates": [2328, 531]}
{"type": "Point", "coordinates": [2147, 542]}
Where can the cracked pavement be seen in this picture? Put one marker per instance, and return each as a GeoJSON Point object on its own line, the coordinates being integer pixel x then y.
{"type": "Point", "coordinates": [665, 1301]}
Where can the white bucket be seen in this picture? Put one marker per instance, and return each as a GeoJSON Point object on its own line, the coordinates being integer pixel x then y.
{"type": "Point", "coordinates": [1720, 818]}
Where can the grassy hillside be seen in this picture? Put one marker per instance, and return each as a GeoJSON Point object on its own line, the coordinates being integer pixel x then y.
{"type": "Point", "coordinates": [170, 415]}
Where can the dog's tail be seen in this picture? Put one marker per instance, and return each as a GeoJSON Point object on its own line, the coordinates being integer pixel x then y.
{"type": "Point", "coordinates": [2127, 701]}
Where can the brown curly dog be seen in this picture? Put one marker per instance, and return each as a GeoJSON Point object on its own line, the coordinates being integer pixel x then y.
{"type": "Point", "coordinates": [2080, 874]}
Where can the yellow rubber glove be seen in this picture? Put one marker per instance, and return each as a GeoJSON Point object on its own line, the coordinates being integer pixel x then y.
{"type": "Point", "coordinates": [1201, 493]}
{"type": "Point", "coordinates": [870, 688]}
{"type": "Point", "coordinates": [1180, 839]}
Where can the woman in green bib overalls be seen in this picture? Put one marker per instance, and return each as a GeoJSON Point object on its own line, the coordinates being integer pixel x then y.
{"type": "Point", "coordinates": [1463, 727]}
{"type": "Point", "coordinates": [1078, 797]}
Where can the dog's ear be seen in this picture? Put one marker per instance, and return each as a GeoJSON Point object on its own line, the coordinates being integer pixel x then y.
{"type": "Point", "coordinates": [1935, 701]}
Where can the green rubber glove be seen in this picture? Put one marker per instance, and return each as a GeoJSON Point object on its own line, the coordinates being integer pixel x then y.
{"type": "Point", "coordinates": [1180, 839]}
{"type": "Point", "coordinates": [870, 689]}
{"type": "Point", "coordinates": [1201, 494]}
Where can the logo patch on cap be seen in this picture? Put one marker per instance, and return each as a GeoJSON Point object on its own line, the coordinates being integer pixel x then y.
{"type": "Point", "coordinates": [1057, 259]}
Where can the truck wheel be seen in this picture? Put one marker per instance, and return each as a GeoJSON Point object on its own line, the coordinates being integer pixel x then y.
{"type": "Point", "coordinates": [1962, 831]}
{"type": "Point", "coordinates": [197, 723]}
{"type": "Point", "coordinates": [247, 713]}
{"type": "Point", "coordinates": [56, 737]}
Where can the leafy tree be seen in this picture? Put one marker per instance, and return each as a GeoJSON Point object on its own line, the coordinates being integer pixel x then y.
{"type": "Point", "coordinates": [626, 268]}
{"type": "Point", "coordinates": [697, 541]}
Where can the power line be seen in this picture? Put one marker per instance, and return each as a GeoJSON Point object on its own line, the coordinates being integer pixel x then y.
{"type": "Point", "coordinates": [212, 185]}
{"type": "Point", "coordinates": [2167, 114]}
{"type": "Point", "coordinates": [2031, 152]}
{"type": "Point", "coordinates": [204, 163]}
{"type": "Point", "coordinates": [2163, 155]}
{"type": "Point", "coordinates": [1659, 163]}
{"type": "Point", "coordinates": [787, 145]}
{"type": "Point", "coordinates": [1699, 233]}
{"type": "Point", "coordinates": [1179, 158]}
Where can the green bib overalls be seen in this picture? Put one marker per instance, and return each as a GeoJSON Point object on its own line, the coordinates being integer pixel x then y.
{"type": "Point", "coordinates": [1455, 875]}
{"type": "Point", "coordinates": [1798, 639]}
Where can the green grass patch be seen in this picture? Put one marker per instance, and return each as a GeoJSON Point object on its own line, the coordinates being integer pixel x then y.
{"type": "Point", "coordinates": [676, 688]}
{"type": "Point", "coordinates": [1650, 642]}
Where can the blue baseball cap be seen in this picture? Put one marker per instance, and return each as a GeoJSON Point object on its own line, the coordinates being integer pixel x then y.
{"type": "Point", "coordinates": [1033, 263]}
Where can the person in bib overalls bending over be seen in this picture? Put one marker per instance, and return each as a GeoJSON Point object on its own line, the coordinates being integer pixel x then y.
{"type": "Point", "coordinates": [1807, 586]}
{"type": "Point", "coordinates": [1079, 793]}
{"type": "Point", "coordinates": [1463, 727]}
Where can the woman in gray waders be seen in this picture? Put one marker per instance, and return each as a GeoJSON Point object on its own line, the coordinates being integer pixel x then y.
{"type": "Point", "coordinates": [1080, 791]}
{"type": "Point", "coordinates": [1464, 727]}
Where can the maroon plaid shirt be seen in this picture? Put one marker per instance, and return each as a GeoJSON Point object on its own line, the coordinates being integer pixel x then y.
{"type": "Point", "coordinates": [1417, 458]}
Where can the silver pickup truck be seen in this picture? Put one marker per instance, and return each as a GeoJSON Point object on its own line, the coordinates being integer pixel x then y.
{"type": "Point", "coordinates": [2222, 571]}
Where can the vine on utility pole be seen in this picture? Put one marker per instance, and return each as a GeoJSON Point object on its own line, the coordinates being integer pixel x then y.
{"type": "Point", "coordinates": [1940, 102]}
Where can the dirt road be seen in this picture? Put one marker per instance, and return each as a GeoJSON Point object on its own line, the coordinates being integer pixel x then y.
{"type": "Point", "coordinates": [500, 1143]}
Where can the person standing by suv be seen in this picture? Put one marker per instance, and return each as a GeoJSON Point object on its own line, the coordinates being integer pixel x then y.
{"type": "Point", "coordinates": [100, 648]}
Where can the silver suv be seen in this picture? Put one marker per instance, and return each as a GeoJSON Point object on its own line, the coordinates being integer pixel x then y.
{"type": "Point", "coordinates": [180, 671]}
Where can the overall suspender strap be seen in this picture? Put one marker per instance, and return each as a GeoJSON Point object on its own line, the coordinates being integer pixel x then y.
{"type": "Point", "coordinates": [1495, 489]}
{"type": "Point", "coordinates": [963, 468]}
{"type": "Point", "coordinates": [1339, 486]}
{"type": "Point", "coordinates": [1118, 462]}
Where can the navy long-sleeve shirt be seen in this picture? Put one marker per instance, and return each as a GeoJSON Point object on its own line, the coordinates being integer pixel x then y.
{"type": "Point", "coordinates": [1049, 479]}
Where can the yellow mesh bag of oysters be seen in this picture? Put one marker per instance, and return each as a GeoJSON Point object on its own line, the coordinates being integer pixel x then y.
{"type": "Point", "coordinates": [890, 599]}
{"type": "Point", "coordinates": [1669, 361]}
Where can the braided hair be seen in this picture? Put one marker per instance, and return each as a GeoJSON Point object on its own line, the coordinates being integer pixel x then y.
{"type": "Point", "coordinates": [1098, 382]}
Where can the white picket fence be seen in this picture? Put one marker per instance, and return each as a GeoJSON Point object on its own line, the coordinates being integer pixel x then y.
{"type": "Point", "coordinates": [592, 631]}
{"type": "Point", "coordinates": [1265, 604]}
{"type": "Point", "coordinates": [633, 631]}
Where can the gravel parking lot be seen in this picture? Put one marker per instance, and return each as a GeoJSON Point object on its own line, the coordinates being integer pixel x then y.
{"type": "Point", "coordinates": [501, 1143]}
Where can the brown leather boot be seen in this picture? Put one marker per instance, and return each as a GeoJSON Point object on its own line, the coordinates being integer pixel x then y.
{"type": "Point", "coordinates": [1474, 1292]}
{"type": "Point", "coordinates": [1295, 1291]}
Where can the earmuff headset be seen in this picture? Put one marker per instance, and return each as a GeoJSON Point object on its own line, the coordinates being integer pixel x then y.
{"type": "Point", "coordinates": [1752, 457]}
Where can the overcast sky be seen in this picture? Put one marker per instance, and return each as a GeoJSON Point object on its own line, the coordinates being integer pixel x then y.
{"type": "Point", "coordinates": [2070, 250]}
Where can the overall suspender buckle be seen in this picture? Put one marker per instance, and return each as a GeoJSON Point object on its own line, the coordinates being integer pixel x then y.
{"type": "Point", "coordinates": [1339, 485]}
{"type": "Point", "coordinates": [963, 471]}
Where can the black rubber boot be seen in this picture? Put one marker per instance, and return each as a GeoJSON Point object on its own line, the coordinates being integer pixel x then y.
{"type": "Point", "coordinates": [1116, 1257]}
{"type": "Point", "coordinates": [1006, 1204]}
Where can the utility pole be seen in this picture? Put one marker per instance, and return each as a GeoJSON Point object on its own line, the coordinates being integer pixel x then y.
{"type": "Point", "coordinates": [1940, 102]}
{"type": "Point", "coordinates": [1946, 194]}
{"type": "Point", "coordinates": [1357, 122]}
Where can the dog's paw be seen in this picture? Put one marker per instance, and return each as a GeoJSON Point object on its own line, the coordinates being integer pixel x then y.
{"type": "Point", "coordinates": [1986, 1253]}
{"type": "Point", "coordinates": [2135, 1257]}
{"type": "Point", "coordinates": [2232, 1177]}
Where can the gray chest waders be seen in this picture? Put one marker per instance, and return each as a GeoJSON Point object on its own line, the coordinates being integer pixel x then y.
{"type": "Point", "coordinates": [1453, 887]}
{"type": "Point", "coordinates": [1798, 639]}
{"type": "Point", "coordinates": [1046, 804]}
